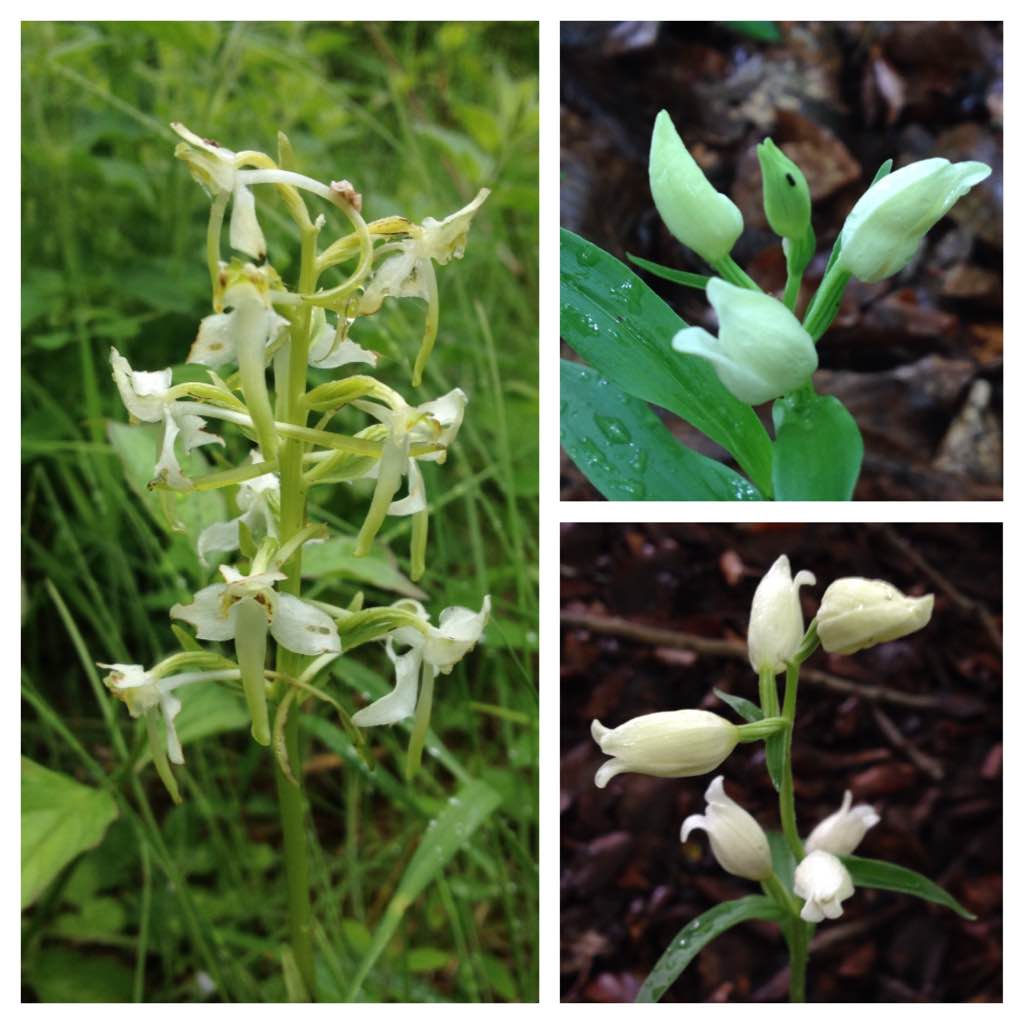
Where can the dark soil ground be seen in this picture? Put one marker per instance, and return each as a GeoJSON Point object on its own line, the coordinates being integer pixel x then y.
{"type": "Point", "coordinates": [916, 358]}
{"type": "Point", "coordinates": [654, 617]}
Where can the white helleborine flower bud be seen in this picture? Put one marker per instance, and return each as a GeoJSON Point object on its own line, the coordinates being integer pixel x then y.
{"type": "Point", "coordinates": [701, 218]}
{"type": "Point", "coordinates": [841, 833]}
{"type": "Point", "coordinates": [822, 880]}
{"type": "Point", "coordinates": [884, 229]}
{"type": "Point", "coordinates": [856, 613]}
{"type": "Point", "coordinates": [667, 744]}
{"type": "Point", "coordinates": [737, 841]}
{"type": "Point", "coordinates": [776, 619]}
{"type": "Point", "coordinates": [762, 350]}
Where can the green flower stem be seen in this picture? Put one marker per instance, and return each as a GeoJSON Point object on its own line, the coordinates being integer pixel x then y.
{"type": "Point", "coordinates": [799, 939]}
{"type": "Point", "coordinates": [293, 513]}
{"type": "Point", "coordinates": [750, 732]}
{"type": "Point", "coordinates": [774, 888]}
{"type": "Point", "coordinates": [769, 693]}
{"type": "Point", "coordinates": [729, 270]}
{"type": "Point", "coordinates": [825, 304]}
{"type": "Point", "coordinates": [787, 805]}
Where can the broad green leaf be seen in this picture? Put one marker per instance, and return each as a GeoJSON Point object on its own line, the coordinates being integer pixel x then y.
{"type": "Point", "coordinates": [628, 454]}
{"type": "Point", "coordinates": [625, 331]}
{"type": "Point", "coordinates": [66, 976]}
{"type": "Point", "coordinates": [697, 934]}
{"type": "Point", "coordinates": [818, 449]}
{"type": "Point", "coordinates": [880, 874]}
{"type": "Point", "coordinates": [59, 819]}
{"type": "Point", "coordinates": [444, 836]}
{"type": "Point", "coordinates": [746, 709]}
{"type": "Point", "coordinates": [336, 557]}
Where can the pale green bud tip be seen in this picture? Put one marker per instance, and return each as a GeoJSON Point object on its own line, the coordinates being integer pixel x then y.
{"type": "Point", "coordinates": [787, 199]}
{"type": "Point", "coordinates": [666, 744]}
{"type": "Point", "coordinates": [762, 350]}
{"type": "Point", "coordinates": [856, 613]}
{"type": "Point", "coordinates": [737, 841]}
{"type": "Point", "coordinates": [884, 229]}
{"type": "Point", "coordinates": [700, 217]}
{"type": "Point", "coordinates": [776, 619]}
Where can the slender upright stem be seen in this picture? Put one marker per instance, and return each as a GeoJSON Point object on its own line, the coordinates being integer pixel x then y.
{"type": "Point", "coordinates": [787, 804]}
{"type": "Point", "coordinates": [799, 941]}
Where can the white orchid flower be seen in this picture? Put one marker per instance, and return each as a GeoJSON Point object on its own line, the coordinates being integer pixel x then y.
{"type": "Point", "coordinates": [259, 501]}
{"type": "Point", "coordinates": [330, 347]}
{"type": "Point", "coordinates": [433, 651]}
{"type": "Point", "coordinates": [840, 833]}
{"type": "Point", "coordinates": [244, 609]}
{"type": "Point", "coordinates": [145, 396]}
{"type": "Point", "coordinates": [856, 613]}
{"type": "Point", "coordinates": [408, 270]}
{"type": "Point", "coordinates": [821, 879]}
{"type": "Point", "coordinates": [762, 350]}
{"type": "Point", "coordinates": [666, 744]}
{"type": "Point", "coordinates": [776, 619]}
{"type": "Point", "coordinates": [216, 169]}
{"type": "Point", "coordinates": [737, 840]}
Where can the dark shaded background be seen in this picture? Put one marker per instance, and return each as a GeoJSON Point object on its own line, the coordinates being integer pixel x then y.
{"type": "Point", "coordinates": [917, 358]}
{"type": "Point", "coordinates": [654, 617]}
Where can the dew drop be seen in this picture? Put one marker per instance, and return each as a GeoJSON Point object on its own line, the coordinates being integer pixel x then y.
{"type": "Point", "coordinates": [614, 429]}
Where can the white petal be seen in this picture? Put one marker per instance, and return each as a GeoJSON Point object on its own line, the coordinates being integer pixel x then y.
{"type": "Point", "coordinates": [457, 632]}
{"type": "Point", "coordinates": [143, 393]}
{"type": "Point", "coordinates": [401, 701]}
{"type": "Point", "coordinates": [205, 614]}
{"type": "Point", "coordinates": [608, 771]}
{"type": "Point", "coordinates": [169, 707]}
{"type": "Point", "coordinates": [245, 233]}
{"type": "Point", "coordinates": [328, 350]}
{"type": "Point", "coordinates": [416, 500]}
{"type": "Point", "coordinates": [218, 537]}
{"type": "Point", "coordinates": [396, 277]}
{"type": "Point", "coordinates": [215, 343]}
{"type": "Point", "coordinates": [303, 628]}
{"type": "Point", "coordinates": [694, 821]}
{"type": "Point", "coordinates": [446, 240]}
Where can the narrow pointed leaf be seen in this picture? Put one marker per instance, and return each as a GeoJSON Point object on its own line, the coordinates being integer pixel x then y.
{"type": "Point", "coordinates": [628, 454]}
{"type": "Point", "coordinates": [746, 709]}
{"type": "Point", "coordinates": [683, 277]}
{"type": "Point", "coordinates": [697, 934]}
{"type": "Point", "coordinates": [880, 874]}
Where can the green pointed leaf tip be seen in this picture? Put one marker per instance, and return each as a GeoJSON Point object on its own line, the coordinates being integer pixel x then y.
{"type": "Point", "coordinates": [697, 934]}
{"type": "Point", "coordinates": [683, 277]}
{"type": "Point", "coordinates": [628, 454]}
{"type": "Point", "coordinates": [624, 331]}
{"type": "Point", "coordinates": [818, 449]}
{"type": "Point", "coordinates": [880, 874]}
{"type": "Point", "coordinates": [746, 709]}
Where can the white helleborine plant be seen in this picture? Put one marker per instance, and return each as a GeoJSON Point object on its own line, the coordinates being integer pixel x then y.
{"type": "Point", "coordinates": [776, 619]}
{"type": "Point", "coordinates": [762, 351]}
{"type": "Point", "coordinates": [840, 833]}
{"type": "Point", "coordinates": [856, 613]}
{"type": "Point", "coordinates": [737, 841]}
{"type": "Point", "coordinates": [885, 227]}
{"type": "Point", "coordinates": [822, 881]}
{"type": "Point", "coordinates": [667, 744]}
{"type": "Point", "coordinates": [697, 214]}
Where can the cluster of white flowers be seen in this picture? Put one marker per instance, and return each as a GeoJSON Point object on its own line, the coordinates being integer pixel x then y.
{"type": "Point", "coordinates": [255, 322]}
{"type": "Point", "coordinates": [854, 613]}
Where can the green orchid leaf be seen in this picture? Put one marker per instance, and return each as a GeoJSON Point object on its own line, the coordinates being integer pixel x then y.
{"type": "Point", "coordinates": [880, 874]}
{"type": "Point", "coordinates": [818, 449]}
{"type": "Point", "coordinates": [625, 331]}
{"type": "Point", "coordinates": [628, 454]}
{"type": "Point", "coordinates": [746, 709]}
{"type": "Point", "coordinates": [697, 934]}
{"type": "Point", "coordinates": [683, 277]}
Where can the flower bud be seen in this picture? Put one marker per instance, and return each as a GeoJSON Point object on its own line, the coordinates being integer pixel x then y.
{"type": "Point", "coordinates": [701, 218]}
{"type": "Point", "coordinates": [667, 744]}
{"type": "Point", "coordinates": [776, 619]}
{"type": "Point", "coordinates": [787, 199]}
{"type": "Point", "coordinates": [856, 613]}
{"type": "Point", "coordinates": [737, 841]}
{"type": "Point", "coordinates": [841, 833]}
{"type": "Point", "coordinates": [884, 229]}
{"type": "Point", "coordinates": [823, 881]}
{"type": "Point", "coordinates": [762, 350]}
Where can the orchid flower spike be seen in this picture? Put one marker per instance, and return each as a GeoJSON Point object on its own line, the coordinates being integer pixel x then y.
{"type": "Point", "coordinates": [821, 879]}
{"type": "Point", "coordinates": [856, 613]}
{"type": "Point", "coordinates": [737, 841]}
{"type": "Point", "coordinates": [840, 833]}
{"type": "Point", "coordinates": [408, 270]}
{"type": "Point", "coordinates": [776, 619]}
{"type": "Point", "coordinates": [666, 744]}
{"type": "Point", "coordinates": [701, 218]}
{"type": "Point", "coordinates": [762, 351]}
{"type": "Point", "coordinates": [145, 396]}
{"type": "Point", "coordinates": [885, 227]}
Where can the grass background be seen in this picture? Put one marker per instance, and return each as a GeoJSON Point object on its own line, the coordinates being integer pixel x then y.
{"type": "Point", "coordinates": [187, 903]}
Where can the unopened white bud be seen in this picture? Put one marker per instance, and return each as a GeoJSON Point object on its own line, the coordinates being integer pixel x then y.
{"type": "Point", "coordinates": [823, 882]}
{"type": "Point", "coordinates": [776, 619]}
{"type": "Point", "coordinates": [856, 613]}
{"type": "Point", "coordinates": [737, 841]}
{"type": "Point", "coordinates": [762, 350]}
{"type": "Point", "coordinates": [667, 744]}
{"type": "Point", "coordinates": [841, 833]}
